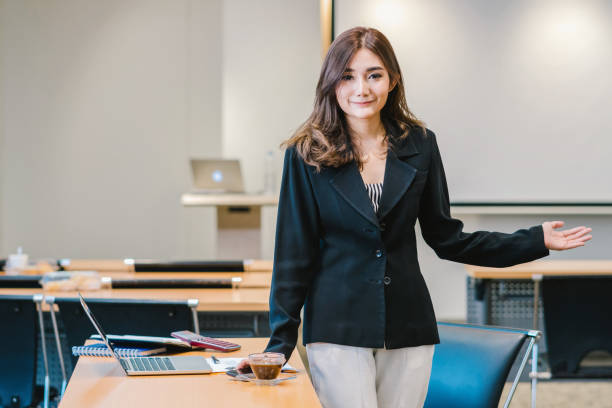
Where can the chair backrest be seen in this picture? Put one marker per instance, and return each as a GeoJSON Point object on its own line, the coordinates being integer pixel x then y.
{"type": "Point", "coordinates": [124, 316]}
{"type": "Point", "coordinates": [471, 364]}
{"type": "Point", "coordinates": [17, 349]}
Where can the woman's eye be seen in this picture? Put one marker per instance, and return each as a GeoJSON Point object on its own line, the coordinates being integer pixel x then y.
{"type": "Point", "coordinates": [347, 77]}
{"type": "Point", "coordinates": [375, 76]}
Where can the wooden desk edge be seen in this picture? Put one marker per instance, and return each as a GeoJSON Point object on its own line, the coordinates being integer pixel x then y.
{"type": "Point", "coordinates": [257, 301]}
{"type": "Point", "coordinates": [544, 268]}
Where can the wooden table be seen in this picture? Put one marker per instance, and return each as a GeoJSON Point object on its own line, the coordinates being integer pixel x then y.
{"type": "Point", "coordinates": [100, 382]}
{"type": "Point", "coordinates": [243, 299]}
{"type": "Point", "coordinates": [251, 279]}
{"type": "Point", "coordinates": [551, 268]}
{"type": "Point", "coordinates": [535, 270]}
{"type": "Point", "coordinates": [513, 297]}
{"type": "Point", "coordinates": [481, 280]}
{"type": "Point", "coordinates": [131, 265]}
{"type": "Point", "coordinates": [247, 279]}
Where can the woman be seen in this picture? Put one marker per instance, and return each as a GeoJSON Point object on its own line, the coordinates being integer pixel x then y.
{"type": "Point", "coordinates": [357, 176]}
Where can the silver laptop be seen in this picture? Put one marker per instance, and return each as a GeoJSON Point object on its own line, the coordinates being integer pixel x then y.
{"type": "Point", "coordinates": [216, 176]}
{"type": "Point", "coordinates": [151, 365]}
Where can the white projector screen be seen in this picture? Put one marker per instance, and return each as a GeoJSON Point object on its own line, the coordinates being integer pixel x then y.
{"type": "Point", "coordinates": [519, 93]}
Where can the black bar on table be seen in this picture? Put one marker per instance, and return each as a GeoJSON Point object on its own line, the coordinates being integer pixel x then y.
{"type": "Point", "coordinates": [189, 266]}
{"type": "Point", "coordinates": [20, 281]}
{"type": "Point", "coordinates": [171, 283]}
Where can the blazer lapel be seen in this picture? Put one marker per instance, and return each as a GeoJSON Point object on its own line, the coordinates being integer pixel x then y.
{"type": "Point", "coordinates": [349, 184]}
{"type": "Point", "coordinates": [399, 175]}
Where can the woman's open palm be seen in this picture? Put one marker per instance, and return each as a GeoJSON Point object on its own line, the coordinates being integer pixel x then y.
{"type": "Point", "coordinates": [566, 239]}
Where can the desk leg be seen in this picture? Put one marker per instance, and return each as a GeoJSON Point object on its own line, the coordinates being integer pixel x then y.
{"type": "Point", "coordinates": [536, 300]}
{"type": "Point", "coordinates": [59, 346]}
{"type": "Point", "coordinates": [38, 299]}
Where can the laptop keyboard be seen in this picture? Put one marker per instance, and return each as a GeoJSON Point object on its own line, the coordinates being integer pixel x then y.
{"type": "Point", "coordinates": [151, 364]}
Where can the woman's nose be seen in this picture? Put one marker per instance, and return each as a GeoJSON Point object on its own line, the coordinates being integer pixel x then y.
{"type": "Point", "coordinates": [362, 87]}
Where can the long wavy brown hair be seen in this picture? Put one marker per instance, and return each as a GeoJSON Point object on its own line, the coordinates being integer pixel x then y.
{"type": "Point", "coordinates": [323, 139]}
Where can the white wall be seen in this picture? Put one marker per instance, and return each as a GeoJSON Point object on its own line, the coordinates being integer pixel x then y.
{"type": "Point", "coordinates": [271, 62]}
{"type": "Point", "coordinates": [103, 104]}
{"type": "Point", "coordinates": [1, 123]}
{"type": "Point", "coordinates": [519, 91]}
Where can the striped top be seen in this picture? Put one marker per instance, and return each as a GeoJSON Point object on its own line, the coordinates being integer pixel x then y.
{"type": "Point", "coordinates": [374, 191]}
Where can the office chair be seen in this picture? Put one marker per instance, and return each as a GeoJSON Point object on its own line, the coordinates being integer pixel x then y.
{"type": "Point", "coordinates": [125, 316]}
{"type": "Point", "coordinates": [577, 316]}
{"type": "Point", "coordinates": [471, 364]}
{"type": "Point", "coordinates": [18, 344]}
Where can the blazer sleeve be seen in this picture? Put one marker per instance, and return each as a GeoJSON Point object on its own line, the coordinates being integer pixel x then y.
{"type": "Point", "coordinates": [445, 234]}
{"type": "Point", "coordinates": [296, 253]}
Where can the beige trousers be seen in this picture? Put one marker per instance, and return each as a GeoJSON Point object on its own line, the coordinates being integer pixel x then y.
{"type": "Point", "coordinates": [357, 377]}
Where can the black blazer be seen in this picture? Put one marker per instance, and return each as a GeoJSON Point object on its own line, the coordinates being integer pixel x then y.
{"type": "Point", "coordinates": [356, 272]}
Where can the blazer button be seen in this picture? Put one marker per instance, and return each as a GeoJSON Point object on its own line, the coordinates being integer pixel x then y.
{"type": "Point", "coordinates": [383, 226]}
{"type": "Point", "coordinates": [387, 280]}
{"type": "Point", "coordinates": [378, 253]}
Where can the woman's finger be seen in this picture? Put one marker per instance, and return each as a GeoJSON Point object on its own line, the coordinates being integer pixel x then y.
{"type": "Point", "coordinates": [571, 231]}
{"type": "Point", "coordinates": [580, 242]}
{"type": "Point", "coordinates": [578, 234]}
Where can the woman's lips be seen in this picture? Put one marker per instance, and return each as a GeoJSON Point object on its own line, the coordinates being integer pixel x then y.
{"type": "Point", "coordinates": [362, 103]}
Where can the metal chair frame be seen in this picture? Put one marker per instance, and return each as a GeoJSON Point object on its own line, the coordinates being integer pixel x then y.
{"type": "Point", "coordinates": [532, 337]}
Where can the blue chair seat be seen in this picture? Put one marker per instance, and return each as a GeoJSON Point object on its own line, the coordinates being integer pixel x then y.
{"type": "Point", "coordinates": [471, 364]}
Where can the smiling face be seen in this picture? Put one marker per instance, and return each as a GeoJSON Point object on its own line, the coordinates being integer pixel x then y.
{"type": "Point", "coordinates": [362, 92]}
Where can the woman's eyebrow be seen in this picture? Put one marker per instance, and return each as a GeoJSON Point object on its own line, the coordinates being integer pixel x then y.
{"type": "Point", "coordinates": [367, 70]}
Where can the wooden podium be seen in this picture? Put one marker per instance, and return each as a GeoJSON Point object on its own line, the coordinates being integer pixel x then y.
{"type": "Point", "coordinates": [246, 223]}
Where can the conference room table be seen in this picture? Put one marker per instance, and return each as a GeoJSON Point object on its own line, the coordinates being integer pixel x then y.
{"type": "Point", "coordinates": [249, 292]}
{"type": "Point", "coordinates": [241, 299]}
{"type": "Point", "coordinates": [100, 382]}
{"type": "Point", "coordinates": [485, 277]}
{"type": "Point", "coordinates": [569, 300]}
{"type": "Point", "coordinates": [256, 279]}
{"type": "Point", "coordinates": [530, 270]}
{"type": "Point", "coordinates": [244, 279]}
{"type": "Point", "coordinates": [493, 286]}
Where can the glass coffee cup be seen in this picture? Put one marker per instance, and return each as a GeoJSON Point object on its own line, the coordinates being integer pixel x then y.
{"type": "Point", "coordinates": [266, 366]}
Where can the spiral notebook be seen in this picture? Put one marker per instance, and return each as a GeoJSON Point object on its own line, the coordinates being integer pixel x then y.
{"type": "Point", "coordinates": [100, 350]}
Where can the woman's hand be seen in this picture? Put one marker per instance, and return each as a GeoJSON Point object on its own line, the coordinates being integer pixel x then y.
{"type": "Point", "coordinates": [243, 367]}
{"type": "Point", "coordinates": [566, 239]}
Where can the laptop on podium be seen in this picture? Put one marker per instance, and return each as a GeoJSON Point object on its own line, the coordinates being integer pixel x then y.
{"type": "Point", "coordinates": [216, 176]}
{"type": "Point", "coordinates": [151, 365]}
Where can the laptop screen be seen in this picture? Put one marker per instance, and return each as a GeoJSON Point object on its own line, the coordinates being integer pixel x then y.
{"type": "Point", "coordinates": [217, 175]}
{"type": "Point", "coordinates": [98, 328]}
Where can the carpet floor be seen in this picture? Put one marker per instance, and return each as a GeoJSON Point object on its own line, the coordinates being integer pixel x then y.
{"type": "Point", "coordinates": [562, 394]}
